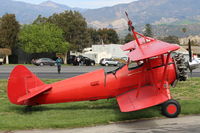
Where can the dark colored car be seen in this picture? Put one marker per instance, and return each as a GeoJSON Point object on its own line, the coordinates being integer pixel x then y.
{"type": "Point", "coordinates": [44, 61]}
{"type": "Point", "coordinates": [71, 59]}
{"type": "Point", "coordinates": [80, 60]}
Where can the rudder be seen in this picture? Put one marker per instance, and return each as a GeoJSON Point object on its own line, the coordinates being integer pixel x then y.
{"type": "Point", "coordinates": [20, 82]}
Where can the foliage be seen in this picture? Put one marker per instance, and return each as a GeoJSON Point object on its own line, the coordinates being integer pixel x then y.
{"type": "Point", "coordinates": [76, 31]}
{"type": "Point", "coordinates": [74, 26]}
{"type": "Point", "coordinates": [37, 38]}
{"type": "Point", "coordinates": [104, 35]}
{"type": "Point", "coordinates": [184, 30]}
{"type": "Point", "coordinates": [78, 114]}
{"type": "Point", "coordinates": [128, 38]}
{"type": "Point", "coordinates": [170, 39]}
{"type": "Point", "coordinates": [108, 36]}
{"type": "Point", "coordinates": [40, 20]}
{"type": "Point", "coordinates": [9, 29]}
{"type": "Point", "coordinates": [94, 34]}
{"type": "Point", "coordinates": [148, 30]}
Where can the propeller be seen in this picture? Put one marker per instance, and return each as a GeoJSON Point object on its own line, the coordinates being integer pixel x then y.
{"type": "Point", "coordinates": [190, 51]}
{"type": "Point", "coordinates": [190, 57]}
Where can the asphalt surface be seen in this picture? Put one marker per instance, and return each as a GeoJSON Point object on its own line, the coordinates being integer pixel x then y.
{"type": "Point", "coordinates": [50, 72]}
{"type": "Point", "coordinates": [187, 124]}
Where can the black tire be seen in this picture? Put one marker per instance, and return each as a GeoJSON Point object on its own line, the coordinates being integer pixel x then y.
{"type": "Point", "coordinates": [106, 64]}
{"type": "Point", "coordinates": [171, 108]}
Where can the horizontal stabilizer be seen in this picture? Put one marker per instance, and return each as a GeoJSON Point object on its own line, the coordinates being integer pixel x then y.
{"type": "Point", "coordinates": [34, 92]}
{"type": "Point", "coordinates": [140, 98]}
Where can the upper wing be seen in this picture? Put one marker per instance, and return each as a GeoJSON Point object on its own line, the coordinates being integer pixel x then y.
{"type": "Point", "coordinates": [148, 48]}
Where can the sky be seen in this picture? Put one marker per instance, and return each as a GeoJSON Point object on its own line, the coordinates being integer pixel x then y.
{"type": "Point", "coordinates": [83, 3]}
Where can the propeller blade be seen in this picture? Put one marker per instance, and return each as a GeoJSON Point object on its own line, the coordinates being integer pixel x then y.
{"type": "Point", "coordinates": [190, 51]}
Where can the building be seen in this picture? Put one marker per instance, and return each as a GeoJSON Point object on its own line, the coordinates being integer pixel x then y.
{"type": "Point", "coordinates": [97, 52]}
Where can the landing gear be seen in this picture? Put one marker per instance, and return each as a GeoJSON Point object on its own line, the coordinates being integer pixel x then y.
{"type": "Point", "coordinates": [171, 108]}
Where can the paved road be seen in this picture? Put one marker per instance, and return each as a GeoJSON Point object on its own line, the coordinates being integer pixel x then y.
{"type": "Point", "coordinates": [187, 124]}
{"type": "Point", "coordinates": [50, 72]}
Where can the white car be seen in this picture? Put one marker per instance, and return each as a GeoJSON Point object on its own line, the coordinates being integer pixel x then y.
{"type": "Point", "coordinates": [108, 61]}
{"type": "Point", "coordinates": [194, 64]}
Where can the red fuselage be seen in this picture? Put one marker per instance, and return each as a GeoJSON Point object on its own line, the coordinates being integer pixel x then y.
{"type": "Point", "coordinates": [100, 85]}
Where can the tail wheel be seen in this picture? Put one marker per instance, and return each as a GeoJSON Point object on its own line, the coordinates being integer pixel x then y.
{"type": "Point", "coordinates": [171, 108]}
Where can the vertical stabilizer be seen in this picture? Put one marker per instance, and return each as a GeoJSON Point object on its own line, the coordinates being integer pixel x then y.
{"type": "Point", "coordinates": [20, 83]}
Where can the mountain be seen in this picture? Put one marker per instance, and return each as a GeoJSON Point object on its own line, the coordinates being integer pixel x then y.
{"type": "Point", "coordinates": [157, 12]}
{"type": "Point", "coordinates": [54, 5]}
{"type": "Point", "coordinates": [166, 16]}
{"type": "Point", "coordinates": [26, 13]}
{"type": "Point", "coordinates": [59, 6]}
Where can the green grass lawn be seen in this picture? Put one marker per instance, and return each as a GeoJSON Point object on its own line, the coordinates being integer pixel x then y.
{"type": "Point", "coordinates": [79, 114]}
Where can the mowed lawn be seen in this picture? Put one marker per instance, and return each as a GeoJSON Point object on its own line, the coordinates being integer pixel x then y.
{"type": "Point", "coordinates": [79, 114]}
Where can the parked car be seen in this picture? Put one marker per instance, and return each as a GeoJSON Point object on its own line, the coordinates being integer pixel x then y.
{"type": "Point", "coordinates": [44, 61]}
{"type": "Point", "coordinates": [108, 61]}
{"type": "Point", "coordinates": [71, 59]}
{"type": "Point", "coordinates": [80, 60]}
{"type": "Point", "coordinates": [198, 59]}
{"type": "Point", "coordinates": [194, 64]}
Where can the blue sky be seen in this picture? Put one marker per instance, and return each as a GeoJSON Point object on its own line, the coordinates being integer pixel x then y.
{"type": "Point", "coordinates": [83, 3]}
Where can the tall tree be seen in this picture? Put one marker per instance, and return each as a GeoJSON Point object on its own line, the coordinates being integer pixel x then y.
{"type": "Point", "coordinates": [94, 34]}
{"type": "Point", "coordinates": [108, 36]}
{"type": "Point", "coordinates": [9, 29]}
{"type": "Point", "coordinates": [148, 30]}
{"type": "Point", "coordinates": [74, 27]}
{"type": "Point", "coordinates": [42, 38]}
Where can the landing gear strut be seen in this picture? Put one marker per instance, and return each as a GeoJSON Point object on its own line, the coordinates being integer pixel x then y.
{"type": "Point", "coordinates": [171, 108]}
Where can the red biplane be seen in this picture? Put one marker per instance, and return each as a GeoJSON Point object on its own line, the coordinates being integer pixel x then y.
{"type": "Point", "coordinates": [136, 86]}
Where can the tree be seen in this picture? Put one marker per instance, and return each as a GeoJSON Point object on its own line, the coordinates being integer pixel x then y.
{"type": "Point", "coordinates": [108, 36]}
{"type": "Point", "coordinates": [74, 27]}
{"type": "Point", "coordinates": [113, 36]}
{"type": "Point", "coordinates": [128, 38]}
{"type": "Point", "coordinates": [184, 30]}
{"type": "Point", "coordinates": [94, 35]}
{"type": "Point", "coordinates": [148, 30]}
{"type": "Point", "coordinates": [40, 20]}
{"type": "Point", "coordinates": [42, 38]}
{"type": "Point", "coordinates": [9, 29]}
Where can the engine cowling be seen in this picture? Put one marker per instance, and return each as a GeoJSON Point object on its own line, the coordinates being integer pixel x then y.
{"type": "Point", "coordinates": [181, 67]}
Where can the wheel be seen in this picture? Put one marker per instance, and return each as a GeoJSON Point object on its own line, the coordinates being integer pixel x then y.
{"type": "Point", "coordinates": [171, 108]}
{"type": "Point", "coordinates": [92, 63]}
{"type": "Point", "coordinates": [41, 64]}
{"type": "Point", "coordinates": [106, 64]}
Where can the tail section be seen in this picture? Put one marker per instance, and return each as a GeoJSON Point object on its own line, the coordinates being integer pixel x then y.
{"type": "Point", "coordinates": [24, 85]}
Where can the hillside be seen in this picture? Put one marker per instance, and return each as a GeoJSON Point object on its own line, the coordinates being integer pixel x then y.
{"type": "Point", "coordinates": [26, 13]}
{"type": "Point", "coordinates": [157, 12]}
{"type": "Point", "coordinates": [166, 16]}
